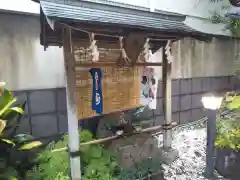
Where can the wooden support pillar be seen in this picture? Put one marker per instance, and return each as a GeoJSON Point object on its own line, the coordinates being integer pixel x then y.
{"type": "Point", "coordinates": [167, 95]}
{"type": "Point", "coordinates": [73, 133]}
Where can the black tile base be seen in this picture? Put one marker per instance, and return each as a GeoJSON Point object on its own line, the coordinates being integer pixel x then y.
{"type": "Point", "coordinates": [46, 109]}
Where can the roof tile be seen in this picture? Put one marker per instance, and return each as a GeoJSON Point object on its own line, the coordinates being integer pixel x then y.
{"type": "Point", "coordinates": [86, 11]}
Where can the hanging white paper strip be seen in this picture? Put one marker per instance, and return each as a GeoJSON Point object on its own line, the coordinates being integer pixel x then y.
{"type": "Point", "coordinates": [149, 84]}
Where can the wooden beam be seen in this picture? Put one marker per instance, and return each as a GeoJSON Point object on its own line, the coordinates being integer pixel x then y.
{"type": "Point", "coordinates": [152, 130]}
{"type": "Point", "coordinates": [114, 30]}
{"type": "Point", "coordinates": [73, 133]}
{"type": "Point", "coordinates": [121, 30]}
{"type": "Point", "coordinates": [115, 35]}
{"type": "Point", "coordinates": [167, 103]}
{"type": "Point", "coordinates": [112, 64]}
{"type": "Point", "coordinates": [133, 45]}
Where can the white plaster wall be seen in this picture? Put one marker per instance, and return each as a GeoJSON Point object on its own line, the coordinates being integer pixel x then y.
{"type": "Point", "coordinates": [199, 59]}
{"type": "Point", "coordinates": [194, 58]}
{"type": "Point", "coordinates": [26, 6]}
{"type": "Point", "coordinates": [25, 65]}
{"type": "Point", "coordinates": [23, 62]}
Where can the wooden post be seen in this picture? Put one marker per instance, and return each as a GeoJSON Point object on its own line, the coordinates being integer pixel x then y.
{"type": "Point", "coordinates": [167, 95]}
{"type": "Point", "coordinates": [73, 134]}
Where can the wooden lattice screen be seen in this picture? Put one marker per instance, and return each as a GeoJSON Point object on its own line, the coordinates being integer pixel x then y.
{"type": "Point", "coordinates": [120, 86]}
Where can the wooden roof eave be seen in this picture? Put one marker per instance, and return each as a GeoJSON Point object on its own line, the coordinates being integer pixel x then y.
{"type": "Point", "coordinates": [160, 26]}
{"type": "Point", "coordinates": [51, 37]}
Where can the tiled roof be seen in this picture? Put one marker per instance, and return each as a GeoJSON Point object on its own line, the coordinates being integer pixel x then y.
{"type": "Point", "coordinates": [113, 13]}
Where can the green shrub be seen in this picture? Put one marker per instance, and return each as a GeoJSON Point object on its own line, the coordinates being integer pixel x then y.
{"type": "Point", "coordinates": [228, 134]}
{"type": "Point", "coordinates": [17, 151]}
{"type": "Point", "coordinates": [96, 162]}
{"type": "Point", "coordinates": [141, 170]}
{"type": "Point", "coordinates": [228, 128]}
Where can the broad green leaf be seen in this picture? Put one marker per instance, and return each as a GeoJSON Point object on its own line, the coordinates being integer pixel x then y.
{"type": "Point", "coordinates": [31, 145]}
{"type": "Point", "coordinates": [7, 141]}
{"type": "Point", "coordinates": [2, 125]}
{"type": "Point", "coordinates": [20, 138]}
{"type": "Point", "coordinates": [8, 105]}
{"type": "Point", "coordinates": [5, 97]}
{"type": "Point", "coordinates": [18, 110]}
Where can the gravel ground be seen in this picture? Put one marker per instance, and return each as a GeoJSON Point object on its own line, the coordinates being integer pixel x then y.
{"type": "Point", "coordinates": [190, 141]}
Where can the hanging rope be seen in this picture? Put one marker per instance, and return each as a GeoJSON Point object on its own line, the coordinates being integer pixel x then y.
{"type": "Point", "coordinates": [93, 47]}
{"type": "Point", "coordinates": [168, 51]}
{"type": "Point", "coordinates": [123, 59]}
{"type": "Point", "coordinates": [147, 53]}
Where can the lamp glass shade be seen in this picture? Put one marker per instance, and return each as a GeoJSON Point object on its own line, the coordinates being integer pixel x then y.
{"type": "Point", "coordinates": [212, 102]}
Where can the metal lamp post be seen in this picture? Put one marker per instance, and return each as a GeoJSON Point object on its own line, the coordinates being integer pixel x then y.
{"type": "Point", "coordinates": [211, 103]}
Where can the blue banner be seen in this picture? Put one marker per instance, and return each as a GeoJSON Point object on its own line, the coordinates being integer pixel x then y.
{"type": "Point", "coordinates": [97, 100]}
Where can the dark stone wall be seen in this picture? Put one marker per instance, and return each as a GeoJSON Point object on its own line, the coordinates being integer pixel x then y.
{"type": "Point", "coordinates": [45, 112]}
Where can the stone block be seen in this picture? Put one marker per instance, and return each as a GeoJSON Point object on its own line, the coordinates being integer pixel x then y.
{"type": "Point", "coordinates": [61, 100]}
{"type": "Point", "coordinates": [224, 84]}
{"type": "Point", "coordinates": [63, 123]}
{"type": "Point", "coordinates": [134, 149]}
{"type": "Point", "coordinates": [175, 117]}
{"type": "Point", "coordinates": [196, 101]}
{"type": "Point", "coordinates": [185, 102]}
{"type": "Point", "coordinates": [42, 101]}
{"type": "Point", "coordinates": [217, 83]}
{"type": "Point", "coordinates": [206, 84]}
{"type": "Point", "coordinates": [159, 108]}
{"type": "Point", "coordinates": [196, 85]}
{"type": "Point", "coordinates": [185, 86]}
{"type": "Point", "coordinates": [175, 86]}
{"type": "Point", "coordinates": [197, 114]}
{"type": "Point", "coordinates": [44, 125]}
{"type": "Point", "coordinates": [175, 103]}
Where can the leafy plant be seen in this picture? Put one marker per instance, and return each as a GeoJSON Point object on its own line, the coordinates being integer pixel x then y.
{"type": "Point", "coordinates": [228, 134]}
{"type": "Point", "coordinates": [232, 24]}
{"type": "Point", "coordinates": [15, 157]}
{"type": "Point", "coordinates": [96, 162]}
{"type": "Point", "coordinates": [228, 128]}
{"type": "Point", "coordinates": [141, 170]}
{"type": "Point", "coordinates": [234, 102]}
